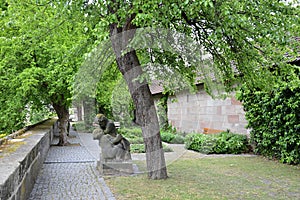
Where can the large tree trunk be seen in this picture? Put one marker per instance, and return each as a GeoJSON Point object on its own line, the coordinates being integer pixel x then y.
{"type": "Point", "coordinates": [146, 117]}
{"type": "Point", "coordinates": [63, 123]}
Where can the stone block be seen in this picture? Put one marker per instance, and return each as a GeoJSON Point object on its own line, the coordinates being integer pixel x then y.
{"type": "Point", "coordinates": [115, 168]}
{"type": "Point", "coordinates": [229, 110]}
{"type": "Point", "coordinates": [233, 118]}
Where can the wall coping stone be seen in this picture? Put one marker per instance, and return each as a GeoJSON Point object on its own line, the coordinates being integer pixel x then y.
{"type": "Point", "coordinates": [20, 168]}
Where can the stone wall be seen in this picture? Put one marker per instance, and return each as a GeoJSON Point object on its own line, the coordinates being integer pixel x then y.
{"type": "Point", "coordinates": [20, 168]}
{"type": "Point", "coordinates": [194, 112]}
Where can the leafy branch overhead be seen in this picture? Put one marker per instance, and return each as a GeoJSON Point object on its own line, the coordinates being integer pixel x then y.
{"type": "Point", "coordinates": [41, 49]}
{"type": "Point", "coordinates": [242, 36]}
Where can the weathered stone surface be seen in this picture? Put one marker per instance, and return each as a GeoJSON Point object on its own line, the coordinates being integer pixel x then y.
{"type": "Point", "coordinates": [115, 157]}
{"type": "Point", "coordinates": [20, 168]}
{"type": "Point", "coordinates": [194, 112]}
{"type": "Point", "coordinates": [70, 172]}
{"type": "Point", "coordinates": [115, 168]}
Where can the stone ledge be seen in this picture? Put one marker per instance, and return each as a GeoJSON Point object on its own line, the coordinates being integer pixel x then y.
{"type": "Point", "coordinates": [20, 168]}
{"type": "Point", "coordinates": [115, 168]}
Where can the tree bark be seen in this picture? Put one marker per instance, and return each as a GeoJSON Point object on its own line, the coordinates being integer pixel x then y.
{"type": "Point", "coordinates": [146, 116]}
{"type": "Point", "coordinates": [63, 122]}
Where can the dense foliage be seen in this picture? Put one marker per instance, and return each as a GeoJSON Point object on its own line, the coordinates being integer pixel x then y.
{"type": "Point", "coordinates": [42, 45]}
{"type": "Point", "coordinates": [248, 34]}
{"type": "Point", "coordinates": [134, 136]}
{"type": "Point", "coordinates": [172, 137]}
{"type": "Point", "coordinates": [274, 120]}
{"type": "Point", "coordinates": [223, 143]}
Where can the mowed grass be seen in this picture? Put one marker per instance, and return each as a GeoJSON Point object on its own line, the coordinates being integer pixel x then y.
{"type": "Point", "coordinates": [213, 178]}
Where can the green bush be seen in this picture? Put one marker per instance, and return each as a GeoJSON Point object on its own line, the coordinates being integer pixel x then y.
{"type": "Point", "coordinates": [274, 119]}
{"type": "Point", "coordinates": [222, 143]}
{"type": "Point", "coordinates": [134, 135]}
{"type": "Point", "coordinates": [231, 143]}
{"type": "Point", "coordinates": [167, 149]}
{"type": "Point", "coordinates": [167, 136]}
{"type": "Point", "coordinates": [171, 137]}
{"type": "Point", "coordinates": [178, 139]}
{"type": "Point", "coordinates": [134, 131]}
{"type": "Point", "coordinates": [200, 142]}
{"type": "Point", "coordinates": [137, 148]}
{"type": "Point", "coordinates": [80, 127]}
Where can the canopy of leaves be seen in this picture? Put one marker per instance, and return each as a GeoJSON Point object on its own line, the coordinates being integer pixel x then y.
{"type": "Point", "coordinates": [243, 37]}
{"type": "Point", "coordinates": [107, 84]}
{"type": "Point", "coordinates": [42, 43]}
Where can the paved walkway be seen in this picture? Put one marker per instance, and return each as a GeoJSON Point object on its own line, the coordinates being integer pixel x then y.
{"type": "Point", "coordinates": [69, 172]}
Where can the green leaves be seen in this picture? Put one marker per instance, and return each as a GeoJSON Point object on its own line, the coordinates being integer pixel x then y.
{"type": "Point", "coordinates": [42, 46]}
{"type": "Point", "coordinates": [274, 120]}
{"type": "Point", "coordinates": [223, 143]}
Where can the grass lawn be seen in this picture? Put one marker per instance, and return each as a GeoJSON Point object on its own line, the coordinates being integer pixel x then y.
{"type": "Point", "coordinates": [213, 178]}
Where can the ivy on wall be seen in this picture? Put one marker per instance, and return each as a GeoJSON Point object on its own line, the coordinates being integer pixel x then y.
{"type": "Point", "coordinates": [274, 119]}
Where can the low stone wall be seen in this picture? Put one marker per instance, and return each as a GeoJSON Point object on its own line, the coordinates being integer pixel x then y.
{"type": "Point", "coordinates": [20, 168]}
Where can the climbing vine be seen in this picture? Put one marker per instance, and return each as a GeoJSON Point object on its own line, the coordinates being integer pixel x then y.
{"type": "Point", "coordinates": [274, 119]}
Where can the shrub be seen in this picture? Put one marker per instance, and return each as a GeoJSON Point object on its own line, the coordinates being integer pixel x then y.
{"type": "Point", "coordinates": [231, 143]}
{"type": "Point", "coordinates": [137, 148]}
{"type": "Point", "coordinates": [167, 136]}
{"type": "Point", "coordinates": [171, 137]}
{"type": "Point", "coordinates": [224, 142]}
{"type": "Point", "coordinates": [81, 127]}
{"type": "Point", "coordinates": [178, 139]}
{"type": "Point", "coordinates": [134, 135]}
{"type": "Point", "coordinates": [274, 118]}
{"type": "Point", "coordinates": [134, 131]}
{"type": "Point", "coordinates": [200, 142]}
{"type": "Point", "coordinates": [167, 149]}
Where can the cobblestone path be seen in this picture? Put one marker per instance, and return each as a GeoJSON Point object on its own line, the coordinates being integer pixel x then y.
{"type": "Point", "coordinates": [69, 173]}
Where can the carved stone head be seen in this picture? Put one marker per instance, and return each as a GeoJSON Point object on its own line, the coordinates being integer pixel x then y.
{"type": "Point", "coordinates": [102, 120]}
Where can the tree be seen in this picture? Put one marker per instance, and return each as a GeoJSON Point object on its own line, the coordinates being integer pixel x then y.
{"type": "Point", "coordinates": [43, 45]}
{"type": "Point", "coordinates": [240, 36]}
{"type": "Point", "coordinates": [105, 88]}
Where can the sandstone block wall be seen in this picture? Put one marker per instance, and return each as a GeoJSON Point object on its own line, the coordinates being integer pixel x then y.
{"type": "Point", "coordinates": [194, 112]}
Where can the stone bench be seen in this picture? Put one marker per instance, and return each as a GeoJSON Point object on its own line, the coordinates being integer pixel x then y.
{"type": "Point", "coordinates": [20, 167]}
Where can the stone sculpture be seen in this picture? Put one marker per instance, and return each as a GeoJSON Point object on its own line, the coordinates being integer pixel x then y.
{"type": "Point", "coordinates": [115, 149]}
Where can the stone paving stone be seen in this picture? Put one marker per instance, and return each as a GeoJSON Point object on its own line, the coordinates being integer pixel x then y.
{"type": "Point", "coordinates": [69, 181]}
{"type": "Point", "coordinates": [68, 154]}
{"type": "Point", "coordinates": [69, 173]}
